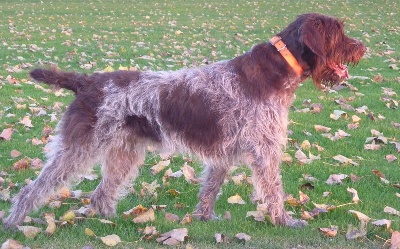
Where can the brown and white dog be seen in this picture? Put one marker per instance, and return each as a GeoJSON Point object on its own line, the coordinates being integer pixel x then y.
{"type": "Point", "coordinates": [225, 113]}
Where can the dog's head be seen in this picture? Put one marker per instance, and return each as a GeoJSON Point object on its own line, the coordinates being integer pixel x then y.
{"type": "Point", "coordinates": [325, 48]}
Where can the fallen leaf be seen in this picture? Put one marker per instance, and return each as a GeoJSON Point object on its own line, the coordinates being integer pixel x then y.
{"type": "Point", "coordinates": [15, 153]}
{"type": "Point", "coordinates": [257, 215]}
{"type": "Point", "coordinates": [186, 219]}
{"type": "Point", "coordinates": [360, 216]}
{"type": "Point", "coordinates": [22, 164]}
{"type": "Point", "coordinates": [391, 210]}
{"type": "Point", "coordinates": [383, 222]}
{"type": "Point", "coordinates": [12, 244]}
{"type": "Point", "coordinates": [221, 238]}
{"type": "Point", "coordinates": [89, 232]}
{"type": "Point", "coordinates": [29, 231]}
{"type": "Point", "coordinates": [243, 237]}
{"type": "Point", "coordinates": [159, 167]}
{"type": "Point", "coordinates": [329, 232]}
{"type": "Point", "coordinates": [145, 217]}
{"type": "Point", "coordinates": [337, 114]}
{"type": "Point", "coordinates": [336, 179]}
{"type": "Point", "coordinates": [378, 173]}
{"type": "Point", "coordinates": [172, 217]}
{"type": "Point", "coordinates": [236, 199]}
{"type": "Point", "coordinates": [321, 128]}
{"type": "Point", "coordinates": [26, 121]}
{"type": "Point", "coordinates": [173, 237]}
{"type": "Point", "coordinates": [391, 158]}
{"type": "Point", "coordinates": [111, 240]}
{"type": "Point", "coordinates": [51, 225]}
{"type": "Point", "coordinates": [189, 173]}
{"type": "Point", "coordinates": [355, 233]}
{"type": "Point", "coordinates": [6, 134]}
{"type": "Point", "coordinates": [395, 240]}
{"type": "Point", "coordinates": [354, 193]}
{"type": "Point", "coordinates": [345, 160]}
{"type": "Point", "coordinates": [68, 216]}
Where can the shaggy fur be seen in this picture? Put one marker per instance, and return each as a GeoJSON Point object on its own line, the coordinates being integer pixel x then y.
{"type": "Point", "coordinates": [225, 113]}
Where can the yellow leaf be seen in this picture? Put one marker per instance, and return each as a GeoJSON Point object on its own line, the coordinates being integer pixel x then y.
{"type": "Point", "coordinates": [89, 232]}
{"type": "Point", "coordinates": [108, 69]}
{"type": "Point", "coordinates": [236, 199]}
{"type": "Point", "coordinates": [111, 240]}
{"type": "Point", "coordinates": [68, 216]}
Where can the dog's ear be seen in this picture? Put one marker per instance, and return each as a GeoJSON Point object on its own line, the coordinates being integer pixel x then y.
{"type": "Point", "coordinates": [313, 36]}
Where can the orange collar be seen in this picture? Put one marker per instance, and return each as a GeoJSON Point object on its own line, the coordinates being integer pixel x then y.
{"type": "Point", "coordinates": [281, 47]}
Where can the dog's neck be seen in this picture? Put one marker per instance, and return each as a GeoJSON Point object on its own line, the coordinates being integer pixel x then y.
{"type": "Point", "coordinates": [277, 42]}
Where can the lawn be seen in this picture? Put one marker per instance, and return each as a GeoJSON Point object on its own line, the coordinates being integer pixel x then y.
{"type": "Point", "coordinates": [357, 138]}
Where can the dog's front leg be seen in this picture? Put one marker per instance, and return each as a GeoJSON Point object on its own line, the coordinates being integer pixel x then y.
{"type": "Point", "coordinates": [268, 187]}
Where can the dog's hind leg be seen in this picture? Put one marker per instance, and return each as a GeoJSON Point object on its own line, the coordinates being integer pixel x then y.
{"type": "Point", "coordinates": [120, 166]}
{"type": "Point", "coordinates": [214, 177]}
{"type": "Point", "coordinates": [64, 164]}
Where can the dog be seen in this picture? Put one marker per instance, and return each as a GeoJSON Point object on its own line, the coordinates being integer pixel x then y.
{"type": "Point", "coordinates": [225, 113]}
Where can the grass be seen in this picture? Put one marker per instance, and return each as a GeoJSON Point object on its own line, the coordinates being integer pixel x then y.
{"type": "Point", "coordinates": [166, 35]}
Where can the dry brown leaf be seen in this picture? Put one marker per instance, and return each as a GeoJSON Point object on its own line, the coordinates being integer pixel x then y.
{"type": "Point", "coordinates": [321, 128]}
{"type": "Point", "coordinates": [257, 215]}
{"type": "Point", "coordinates": [26, 121]}
{"type": "Point", "coordinates": [395, 240]}
{"type": "Point", "coordinates": [173, 237]}
{"type": "Point", "coordinates": [302, 158]}
{"type": "Point", "coordinates": [236, 199]}
{"type": "Point", "coordinates": [15, 153]}
{"type": "Point", "coordinates": [6, 134]}
{"type": "Point", "coordinates": [329, 232]}
{"type": "Point", "coordinates": [243, 237]}
{"type": "Point", "coordinates": [355, 233]}
{"type": "Point", "coordinates": [51, 225]}
{"type": "Point", "coordinates": [190, 174]}
{"type": "Point", "coordinates": [12, 244]}
{"type": "Point", "coordinates": [355, 119]}
{"type": "Point", "coordinates": [344, 160]}
{"type": "Point", "coordinates": [337, 114]}
{"type": "Point", "coordinates": [383, 222]}
{"type": "Point", "coordinates": [159, 167]}
{"type": "Point", "coordinates": [360, 216]}
{"type": "Point", "coordinates": [336, 179]}
{"type": "Point", "coordinates": [391, 210]}
{"type": "Point", "coordinates": [172, 217]}
{"type": "Point", "coordinates": [22, 164]}
{"type": "Point", "coordinates": [145, 217]}
{"type": "Point", "coordinates": [391, 158]}
{"type": "Point", "coordinates": [354, 193]}
{"type": "Point", "coordinates": [29, 231]}
{"type": "Point", "coordinates": [239, 178]}
{"type": "Point", "coordinates": [306, 145]}
{"type": "Point", "coordinates": [287, 158]}
{"type": "Point", "coordinates": [221, 238]}
{"type": "Point", "coordinates": [111, 240]}
{"type": "Point", "coordinates": [187, 219]}
{"type": "Point", "coordinates": [378, 173]}
{"type": "Point", "coordinates": [372, 146]}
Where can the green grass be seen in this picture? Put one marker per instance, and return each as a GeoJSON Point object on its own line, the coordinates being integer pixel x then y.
{"type": "Point", "coordinates": [186, 33]}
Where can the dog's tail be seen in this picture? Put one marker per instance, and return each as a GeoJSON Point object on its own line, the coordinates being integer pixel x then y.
{"type": "Point", "coordinates": [59, 79]}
